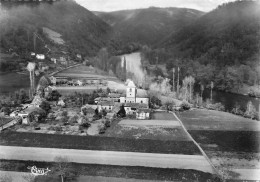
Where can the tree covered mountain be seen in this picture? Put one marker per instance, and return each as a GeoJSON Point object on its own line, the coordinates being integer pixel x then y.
{"type": "Point", "coordinates": [222, 46]}
{"type": "Point", "coordinates": [228, 35]}
{"type": "Point", "coordinates": [82, 31]}
{"type": "Point", "coordinates": [148, 26]}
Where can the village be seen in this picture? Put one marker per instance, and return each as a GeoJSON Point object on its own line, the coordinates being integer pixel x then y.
{"type": "Point", "coordinates": [60, 114]}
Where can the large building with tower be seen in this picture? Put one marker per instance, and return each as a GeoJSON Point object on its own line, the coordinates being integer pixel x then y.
{"type": "Point", "coordinates": [133, 95]}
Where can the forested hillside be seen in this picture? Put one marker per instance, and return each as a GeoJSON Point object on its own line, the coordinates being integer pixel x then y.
{"type": "Point", "coordinates": [221, 46]}
{"type": "Point", "coordinates": [148, 26]}
{"type": "Point", "coordinates": [82, 31]}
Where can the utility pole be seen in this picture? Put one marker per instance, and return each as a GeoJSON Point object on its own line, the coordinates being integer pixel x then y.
{"type": "Point", "coordinates": [34, 42]}
{"type": "Point", "coordinates": [211, 86]}
{"type": "Point", "coordinates": [178, 83]}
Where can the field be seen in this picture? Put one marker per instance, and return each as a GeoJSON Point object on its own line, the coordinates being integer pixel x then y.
{"type": "Point", "coordinates": [10, 82]}
{"type": "Point", "coordinates": [85, 72]}
{"type": "Point", "coordinates": [127, 172]}
{"type": "Point", "coordinates": [201, 119]}
{"type": "Point", "coordinates": [97, 143]}
{"type": "Point", "coordinates": [147, 132]}
{"type": "Point", "coordinates": [231, 142]}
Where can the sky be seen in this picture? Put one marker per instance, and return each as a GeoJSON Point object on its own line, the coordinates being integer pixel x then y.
{"type": "Point", "coordinates": [114, 5]}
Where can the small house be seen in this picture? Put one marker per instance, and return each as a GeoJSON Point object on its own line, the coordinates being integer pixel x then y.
{"type": "Point", "coordinates": [40, 56]}
{"type": "Point", "coordinates": [54, 60]}
{"type": "Point", "coordinates": [105, 105]}
{"type": "Point", "coordinates": [63, 60]}
{"type": "Point", "coordinates": [143, 113]}
{"type": "Point", "coordinates": [61, 103]}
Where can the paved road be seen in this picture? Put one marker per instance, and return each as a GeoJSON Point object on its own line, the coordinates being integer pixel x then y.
{"type": "Point", "coordinates": [197, 162]}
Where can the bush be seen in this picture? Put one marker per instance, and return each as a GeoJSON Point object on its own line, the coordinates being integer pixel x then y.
{"type": "Point", "coordinates": [185, 105]}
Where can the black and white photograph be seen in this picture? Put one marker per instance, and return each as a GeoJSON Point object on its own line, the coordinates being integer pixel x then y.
{"type": "Point", "coordinates": [129, 91]}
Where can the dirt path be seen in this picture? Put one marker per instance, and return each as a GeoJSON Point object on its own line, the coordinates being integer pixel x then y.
{"type": "Point", "coordinates": [177, 161]}
{"type": "Point", "coordinates": [201, 150]}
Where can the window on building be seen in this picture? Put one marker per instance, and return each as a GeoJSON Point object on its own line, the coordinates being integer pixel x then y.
{"type": "Point", "coordinates": [141, 101]}
{"type": "Point", "coordinates": [130, 90]}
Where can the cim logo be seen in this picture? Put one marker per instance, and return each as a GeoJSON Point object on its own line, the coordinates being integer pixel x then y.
{"type": "Point", "coordinates": [38, 171]}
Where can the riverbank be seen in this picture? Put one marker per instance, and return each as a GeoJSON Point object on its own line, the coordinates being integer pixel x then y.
{"type": "Point", "coordinates": [245, 90]}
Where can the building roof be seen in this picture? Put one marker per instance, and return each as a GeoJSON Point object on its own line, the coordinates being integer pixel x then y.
{"type": "Point", "coordinates": [106, 103]}
{"type": "Point", "coordinates": [114, 95]}
{"type": "Point", "coordinates": [32, 109]}
{"type": "Point", "coordinates": [131, 84]}
{"type": "Point", "coordinates": [135, 105]}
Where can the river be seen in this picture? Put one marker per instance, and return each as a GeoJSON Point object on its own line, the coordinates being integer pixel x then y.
{"type": "Point", "coordinates": [229, 100]}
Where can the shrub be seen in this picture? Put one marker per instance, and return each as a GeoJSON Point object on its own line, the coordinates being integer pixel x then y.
{"type": "Point", "coordinates": [185, 105]}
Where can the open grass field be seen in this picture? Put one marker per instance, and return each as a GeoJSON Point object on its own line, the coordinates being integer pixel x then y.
{"type": "Point", "coordinates": [85, 72]}
{"type": "Point", "coordinates": [10, 82]}
{"type": "Point", "coordinates": [128, 172]}
{"type": "Point", "coordinates": [97, 143]}
{"type": "Point", "coordinates": [162, 115]}
{"type": "Point", "coordinates": [202, 119]}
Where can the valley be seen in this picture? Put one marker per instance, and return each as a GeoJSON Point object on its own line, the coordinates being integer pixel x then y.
{"type": "Point", "coordinates": [146, 94]}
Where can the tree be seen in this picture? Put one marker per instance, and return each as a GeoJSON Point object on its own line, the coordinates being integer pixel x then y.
{"type": "Point", "coordinates": [44, 81]}
{"type": "Point", "coordinates": [103, 58]}
{"type": "Point", "coordinates": [121, 113]}
{"type": "Point", "coordinates": [63, 169]}
{"type": "Point", "coordinates": [211, 87]}
{"type": "Point", "coordinates": [45, 106]}
{"type": "Point", "coordinates": [31, 67]}
{"type": "Point", "coordinates": [250, 111]}
{"type": "Point", "coordinates": [54, 96]}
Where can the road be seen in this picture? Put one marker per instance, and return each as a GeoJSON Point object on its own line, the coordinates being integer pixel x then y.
{"type": "Point", "coordinates": [178, 161]}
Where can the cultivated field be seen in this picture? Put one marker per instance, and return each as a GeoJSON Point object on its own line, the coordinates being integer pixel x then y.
{"type": "Point", "coordinates": [111, 173]}
{"type": "Point", "coordinates": [97, 143]}
{"type": "Point", "coordinates": [202, 119]}
{"type": "Point", "coordinates": [231, 142]}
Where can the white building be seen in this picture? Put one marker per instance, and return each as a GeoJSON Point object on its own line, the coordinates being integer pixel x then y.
{"type": "Point", "coordinates": [40, 56]}
{"type": "Point", "coordinates": [134, 96]}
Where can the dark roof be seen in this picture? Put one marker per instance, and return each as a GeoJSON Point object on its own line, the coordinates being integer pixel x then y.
{"type": "Point", "coordinates": [135, 105]}
{"type": "Point", "coordinates": [114, 95]}
{"type": "Point", "coordinates": [106, 103]}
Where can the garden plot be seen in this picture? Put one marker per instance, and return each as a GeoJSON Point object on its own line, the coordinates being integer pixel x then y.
{"type": "Point", "coordinates": [160, 123]}
{"type": "Point", "coordinates": [147, 132]}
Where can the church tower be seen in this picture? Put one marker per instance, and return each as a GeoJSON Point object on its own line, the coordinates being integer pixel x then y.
{"type": "Point", "coordinates": [131, 92]}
